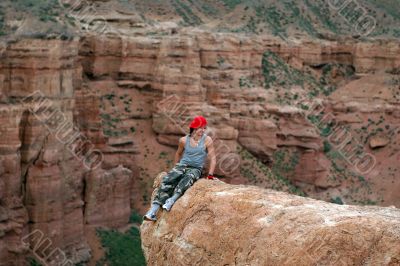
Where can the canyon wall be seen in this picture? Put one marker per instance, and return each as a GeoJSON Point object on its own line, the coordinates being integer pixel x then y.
{"type": "Point", "coordinates": [49, 189]}
{"type": "Point", "coordinates": [110, 88]}
{"type": "Point", "coordinates": [222, 76]}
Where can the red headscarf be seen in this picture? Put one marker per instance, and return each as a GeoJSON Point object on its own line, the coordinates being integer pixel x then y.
{"type": "Point", "coordinates": [198, 121]}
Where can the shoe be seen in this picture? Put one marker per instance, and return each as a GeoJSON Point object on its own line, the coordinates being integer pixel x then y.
{"type": "Point", "coordinates": [150, 216]}
{"type": "Point", "coordinates": [168, 204]}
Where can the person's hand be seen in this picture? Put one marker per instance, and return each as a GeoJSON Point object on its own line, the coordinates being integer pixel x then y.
{"type": "Point", "coordinates": [212, 177]}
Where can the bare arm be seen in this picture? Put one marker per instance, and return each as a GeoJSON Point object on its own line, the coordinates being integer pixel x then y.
{"type": "Point", "coordinates": [211, 153]}
{"type": "Point", "coordinates": [179, 152]}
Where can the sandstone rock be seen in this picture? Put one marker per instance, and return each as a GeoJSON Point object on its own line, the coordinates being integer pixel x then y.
{"type": "Point", "coordinates": [170, 140]}
{"type": "Point", "coordinates": [370, 88]}
{"type": "Point", "coordinates": [41, 179]}
{"type": "Point", "coordinates": [104, 191]}
{"type": "Point", "coordinates": [219, 224]}
{"type": "Point", "coordinates": [313, 168]}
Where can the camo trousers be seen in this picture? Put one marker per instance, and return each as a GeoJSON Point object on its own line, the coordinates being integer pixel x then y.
{"type": "Point", "coordinates": [178, 180]}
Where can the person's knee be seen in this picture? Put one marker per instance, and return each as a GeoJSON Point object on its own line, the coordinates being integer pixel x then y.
{"type": "Point", "coordinates": [170, 179]}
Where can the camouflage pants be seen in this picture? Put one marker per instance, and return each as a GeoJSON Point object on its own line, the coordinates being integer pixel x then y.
{"type": "Point", "coordinates": [178, 180]}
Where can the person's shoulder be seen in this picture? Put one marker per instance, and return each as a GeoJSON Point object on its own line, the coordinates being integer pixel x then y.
{"type": "Point", "coordinates": [182, 140]}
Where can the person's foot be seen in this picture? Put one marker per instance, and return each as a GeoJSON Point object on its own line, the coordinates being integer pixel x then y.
{"type": "Point", "coordinates": [150, 217]}
{"type": "Point", "coordinates": [168, 204]}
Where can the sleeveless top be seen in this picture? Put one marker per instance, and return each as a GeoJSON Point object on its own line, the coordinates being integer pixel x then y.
{"type": "Point", "coordinates": [194, 156]}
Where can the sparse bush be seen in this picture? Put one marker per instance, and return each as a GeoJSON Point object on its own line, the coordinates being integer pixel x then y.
{"type": "Point", "coordinates": [232, 3]}
{"type": "Point", "coordinates": [337, 200]}
{"type": "Point", "coordinates": [327, 146]}
{"type": "Point", "coordinates": [45, 10]}
{"type": "Point", "coordinates": [122, 249]}
{"type": "Point", "coordinates": [135, 218]}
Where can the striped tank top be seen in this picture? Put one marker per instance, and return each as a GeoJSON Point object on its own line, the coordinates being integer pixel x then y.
{"type": "Point", "coordinates": [194, 156]}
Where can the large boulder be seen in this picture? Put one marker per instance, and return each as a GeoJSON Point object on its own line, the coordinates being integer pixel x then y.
{"type": "Point", "coordinates": [215, 223]}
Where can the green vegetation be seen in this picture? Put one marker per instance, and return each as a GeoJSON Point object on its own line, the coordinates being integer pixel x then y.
{"type": "Point", "coordinates": [322, 12]}
{"type": "Point", "coordinates": [2, 32]}
{"type": "Point", "coordinates": [110, 127]}
{"type": "Point", "coordinates": [111, 119]}
{"type": "Point", "coordinates": [162, 155]}
{"type": "Point", "coordinates": [135, 217]}
{"type": "Point", "coordinates": [205, 7]}
{"type": "Point", "coordinates": [250, 26]}
{"type": "Point", "coordinates": [396, 33]}
{"type": "Point", "coordinates": [232, 3]}
{"type": "Point", "coordinates": [359, 187]}
{"type": "Point", "coordinates": [284, 164]}
{"type": "Point", "coordinates": [277, 73]}
{"type": "Point", "coordinates": [45, 10]}
{"type": "Point", "coordinates": [315, 18]}
{"type": "Point", "coordinates": [327, 146]}
{"type": "Point", "coordinates": [337, 200]}
{"type": "Point", "coordinates": [257, 172]}
{"type": "Point", "coordinates": [389, 7]}
{"type": "Point", "coordinates": [33, 262]}
{"type": "Point", "coordinates": [121, 249]}
{"type": "Point", "coordinates": [249, 174]}
{"type": "Point", "coordinates": [274, 18]}
{"type": "Point", "coordinates": [186, 13]}
{"type": "Point", "coordinates": [278, 18]}
{"type": "Point", "coordinates": [245, 82]}
{"type": "Point", "coordinates": [283, 77]}
{"type": "Point", "coordinates": [220, 60]}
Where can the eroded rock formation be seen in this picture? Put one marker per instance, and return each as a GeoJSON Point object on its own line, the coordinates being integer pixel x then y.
{"type": "Point", "coordinates": [221, 76]}
{"type": "Point", "coordinates": [124, 92]}
{"type": "Point", "coordinates": [215, 223]}
{"type": "Point", "coordinates": [45, 186]}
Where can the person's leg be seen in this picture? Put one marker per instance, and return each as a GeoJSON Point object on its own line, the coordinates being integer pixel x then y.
{"type": "Point", "coordinates": [190, 176]}
{"type": "Point", "coordinates": [168, 184]}
{"type": "Point", "coordinates": [151, 214]}
{"type": "Point", "coordinates": [164, 191]}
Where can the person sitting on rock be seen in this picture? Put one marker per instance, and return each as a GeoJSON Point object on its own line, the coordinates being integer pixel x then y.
{"type": "Point", "coordinates": [195, 147]}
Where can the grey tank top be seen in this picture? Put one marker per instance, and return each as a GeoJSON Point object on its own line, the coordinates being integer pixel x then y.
{"type": "Point", "coordinates": [194, 156]}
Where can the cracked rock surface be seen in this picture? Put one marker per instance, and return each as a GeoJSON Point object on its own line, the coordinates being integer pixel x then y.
{"type": "Point", "coordinates": [215, 223]}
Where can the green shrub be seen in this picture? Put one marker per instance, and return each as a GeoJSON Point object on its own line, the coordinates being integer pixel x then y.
{"type": "Point", "coordinates": [2, 22]}
{"type": "Point", "coordinates": [327, 146]}
{"type": "Point", "coordinates": [122, 249]}
{"type": "Point", "coordinates": [232, 3]}
{"type": "Point", "coordinates": [45, 10]}
{"type": "Point", "coordinates": [135, 218]}
{"type": "Point", "coordinates": [337, 200]}
{"type": "Point", "coordinates": [186, 13]}
{"type": "Point", "coordinates": [33, 262]}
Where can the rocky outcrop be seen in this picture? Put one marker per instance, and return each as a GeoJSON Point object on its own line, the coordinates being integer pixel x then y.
{"type": "Point", "coordinates": [107, 197]}
{"type": "Point", "coordinates": [214, 223]}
